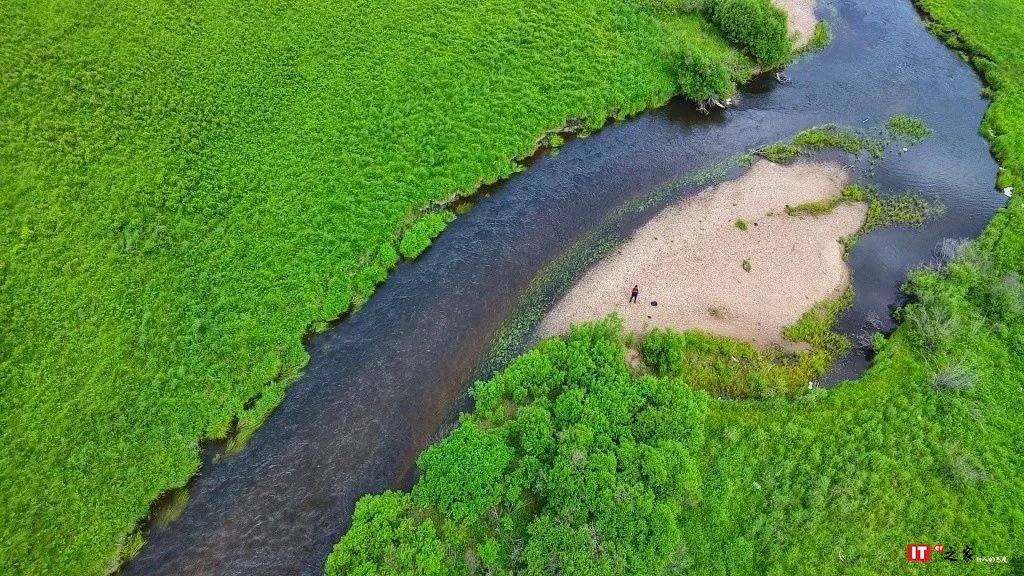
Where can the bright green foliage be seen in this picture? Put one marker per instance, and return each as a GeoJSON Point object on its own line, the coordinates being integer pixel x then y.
{"type": "Point", "coordinates": [573, 464]}
{"type": "Point", "coordinates": [383, 528]}
{"type": "Point", "coordinates": [419, 236]}
{"type": "Point", "coordinates": [460, 492]}
{"type": "Point", "coordinates": [780, 152]}
{"type": "Point", "coordinates": [731, 369]}
{"type": "Point", "coordinates": [815, 328]}
{"type": "Point", "coordinates": [839, 138]}
{"type": "Point", "coordinates": [925, 447]}
{"type": "Point", "coordinates": [741, 224]}
{"type": "Point", "coordinates": [990, 34]}
{"type": "Point", "coordinates": [838, 482]}
{"type": "Point", "coordinates": [703, 76]}
{"type": "Point", "coordinates": [908, 209]}
{"type": "Point", "coordinates": [830, 482]}
{"type": "Point", "coordinates": [910, 127]}
{"type": "Point", "coordinates": [757, 25]}
{"type": "Point", "coordinates": [662, 352]}
{"type": "Point", "coordinates": [187, 189]}
{"type": "Point", "coordinates": [821, 38]}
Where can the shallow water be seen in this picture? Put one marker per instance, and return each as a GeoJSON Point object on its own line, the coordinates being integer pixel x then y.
{"type": "Point", "coordinates": [380, 383]}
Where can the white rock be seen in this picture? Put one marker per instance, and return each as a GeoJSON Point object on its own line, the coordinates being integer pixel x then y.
{"type": "Point", "coordinates": [1008, 191]}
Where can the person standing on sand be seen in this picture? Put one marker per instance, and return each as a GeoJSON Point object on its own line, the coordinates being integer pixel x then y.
{"type": "Point", "coordinates": [634, 294]}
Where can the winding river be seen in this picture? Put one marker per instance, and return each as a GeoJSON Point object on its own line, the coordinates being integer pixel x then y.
{"type": "Point", "coordinates": [382, 382]}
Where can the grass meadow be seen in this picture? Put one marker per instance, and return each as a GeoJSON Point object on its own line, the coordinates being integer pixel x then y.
{"type": "Point", "coordinates": [188, 190]}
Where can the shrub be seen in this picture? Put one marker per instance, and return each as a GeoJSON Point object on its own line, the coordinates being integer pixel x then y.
{"type": "Point", "coordinates": [741, 224]}
{"type": "Point", "coordinates": [704, 77]}
{"type": "Point", "coordinates": [595, 469]}
{"type": "Point", "coordinates": [757, 25]}
{"type": "Point", "coordinates": [946, 251]}
{"type": "Point", "coordinates": [662, 351]}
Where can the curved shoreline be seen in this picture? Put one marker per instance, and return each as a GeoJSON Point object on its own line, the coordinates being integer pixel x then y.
{"type": "Point", "coordinates": [704, 272]}
{"type": "Point", "coordinates": [267, 470]}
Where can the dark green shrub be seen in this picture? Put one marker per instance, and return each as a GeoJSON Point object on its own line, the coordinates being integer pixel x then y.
{"type": "Point", "coordinates": [756, 25]}
{"type": "Point", "coordinates": [662, 351]}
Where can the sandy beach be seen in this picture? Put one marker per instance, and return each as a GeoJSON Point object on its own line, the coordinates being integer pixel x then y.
{"type": "Point", "coordinates": [800, 17]}
{"type": "Point", "coordinates": [690, 259]}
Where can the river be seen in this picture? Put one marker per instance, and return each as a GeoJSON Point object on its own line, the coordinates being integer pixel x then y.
{"type": "Point", "coordinates": [382, 382]}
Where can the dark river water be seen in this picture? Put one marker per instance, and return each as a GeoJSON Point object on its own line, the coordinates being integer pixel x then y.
{"type": "Point", "coordinates": [381, 383]}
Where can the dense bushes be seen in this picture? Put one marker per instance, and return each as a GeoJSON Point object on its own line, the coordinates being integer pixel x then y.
{"type": "Point", "coordinates": [757, 25]}
{"type": "Point", "coordinates": [703, 76]}
{"type": "Point", "coordinates": [572, 464]}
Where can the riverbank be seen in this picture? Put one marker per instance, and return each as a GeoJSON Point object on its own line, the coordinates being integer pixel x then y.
{"type": "Point", "coordinates": [729, 261]}
{"type": "Point", "coordinates": [800, 19]}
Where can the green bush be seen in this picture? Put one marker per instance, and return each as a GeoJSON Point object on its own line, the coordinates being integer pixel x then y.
{"type": "Point", "coordinates": [704, 77]}
{"type": "Point", "coordinates": [592, 472]}
{"type": "Point", "coordinates": [661, 350]}
{"type": "Point", "coordinates": [757, 25]}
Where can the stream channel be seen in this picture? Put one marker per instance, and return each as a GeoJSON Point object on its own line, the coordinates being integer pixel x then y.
{"type": "Point", "coordinates": [382, 383]}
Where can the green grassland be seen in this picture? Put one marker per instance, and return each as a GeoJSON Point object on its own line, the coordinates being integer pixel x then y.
{"type": "Point", "coordinates": [924, 447]}
{"type": "Point", "coordinates": [187, 190]}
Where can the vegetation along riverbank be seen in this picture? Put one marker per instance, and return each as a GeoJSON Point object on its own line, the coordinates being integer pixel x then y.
{"type": "Point", "coordinates": [581, 477]}
{"type": "Point", "coordinates": [187, 191]}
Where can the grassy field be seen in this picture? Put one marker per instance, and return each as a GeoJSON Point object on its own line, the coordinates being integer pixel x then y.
{"type": "Point", "coordinates": [924, 448]}
{"type": "Point", "coordinates": [188, 190]}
